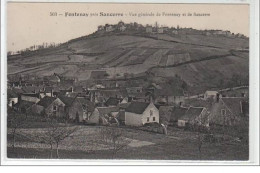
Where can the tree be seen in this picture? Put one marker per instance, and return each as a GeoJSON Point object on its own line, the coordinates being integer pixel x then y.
{"type": "Point", "coordinates": [15, 121]}
{"type": "Point", "coordinates": [115, 138]}
{"type": "Point", "coordinates": [54, 135]}
{"type": "Point", "coordinates": [200, 126]}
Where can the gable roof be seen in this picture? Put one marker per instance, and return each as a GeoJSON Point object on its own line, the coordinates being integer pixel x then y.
{"type": "Point", "coordinates": [192, 113]}
{"type": "Point", "coordinates": [11, 94]}
{"type": "Point", "coordinates": [89, 104]}
{"type": "Point", "coordinates": [68, 101]}
{"type": "Point", "coordinates": [46, 101]}
{"type": "Point", "coordinates": [124, 105]}
{"type": "Point", "coordinates": [107, 110]}
{"type": "Point", "coordinates": [31, 89]}
{"type": "Point", "coordinates": [37, 95]}
{"type": "Point", "coordinates": [171, 113]}
{"type": "Point", "coordinates": [211, 92]}
{"type": "Point", "coordinates": [137, 107]}
{"type": "Point", "coordinates": [233, 104]}
{"type": "Point", "coordinates": [112, 101]}
{"type": "Point", "coordinates": [24, 104]}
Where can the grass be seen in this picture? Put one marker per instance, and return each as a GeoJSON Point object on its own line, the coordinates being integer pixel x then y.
{"type": "Point", "coordinates": [178, 145]}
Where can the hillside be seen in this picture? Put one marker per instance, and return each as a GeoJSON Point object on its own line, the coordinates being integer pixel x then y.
{"type": "Point", "coordinates": [198, 59]}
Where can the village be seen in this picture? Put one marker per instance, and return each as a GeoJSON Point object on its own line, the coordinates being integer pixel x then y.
{"type": "Point", "coordinates": [109, 103]}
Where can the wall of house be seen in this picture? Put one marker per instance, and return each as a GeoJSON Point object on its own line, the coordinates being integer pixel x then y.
{"type": "Point", "coordinates": [217, 118]}
{"type": "Point", "coordinates": [60, 109]}
{"type": "Point", "coordinates": [94, 117]}
{"type": "Point", "coordinates": [30, 99]}
{"type": "Point", "coordinates": [12, 101]}
{"type": "Point", "coordinates": [181, 123]}
{"type": "Point", "coordinates": [133, 119]}
{"type": "Point", "coordinates": [146, 114]}
{"type": "Point", "coordinates": [37, 109]}
{"type": "Point", "coordinates": [176, 99]}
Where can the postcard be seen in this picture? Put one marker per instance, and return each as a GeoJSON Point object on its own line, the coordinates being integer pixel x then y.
{"type": "Point", "coordinates": [147, 83]}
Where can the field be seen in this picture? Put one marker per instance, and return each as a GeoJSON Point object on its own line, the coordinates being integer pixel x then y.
{"type": "Point", "coordinates": [87, 143]}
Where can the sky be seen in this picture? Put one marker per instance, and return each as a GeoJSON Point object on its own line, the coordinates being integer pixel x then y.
{"type": "Point", "coordinates": [31, 24]}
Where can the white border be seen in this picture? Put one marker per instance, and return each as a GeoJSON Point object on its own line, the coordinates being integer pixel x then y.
{"type": "Point", "coordinates": [254, 93]}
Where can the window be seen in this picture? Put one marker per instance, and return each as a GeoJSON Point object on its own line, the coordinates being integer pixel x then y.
{"type": "Point", "coordinates": [153, 118]}
{"type": "Point", "coordinates": [54, 108]}
{"type": "Point", "coordinates": [223, 112]}
{"type": "Point", "coordinates": [147, 119]}
{"type": "Point", "coordinates": [151, 113]}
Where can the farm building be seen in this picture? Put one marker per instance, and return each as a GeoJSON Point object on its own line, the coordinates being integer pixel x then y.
{"type": "Point", "coordinates": [194, 116]}
{"type": "Point", "coordinates": [170, 114]}
{"type": "Point", "coordinates": [229, 111]}
{"type": "Point", "coordinates": [50, 106]}
{"type": "Point", "coordinates": [140, 113]}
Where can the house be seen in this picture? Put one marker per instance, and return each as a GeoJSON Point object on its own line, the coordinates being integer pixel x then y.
{"type": "Point", "coordinates": [229, 111]}
{"type": "Point", "coordinates": [109, 28]}
{"type": "Point", "coordinates": [113, 101]}
{"type": "Point", "coordinates": [149, 29]}
{"type": "Point", "coordinates": [32, 89]}
{"type": "Point", "coordinates": [140, 113]}
{"type": "Point", "coordinates": [73, 108]}
{"type": "Point", "coordinates": [12, 97]}
{"type": "Point", "coordinates": [102, 115]}
{"type": "Point", "coordinates": [23, 106]}
{"type": "Point", "coordinates": [169, 95]}
{"type": "Point", "coordinates": [194, 116]}
{"type": "Point", "coordinates": [211, 94]}
{"type": "Point", "coordinates": [55, 78]}
{"type": "Point", "coordinates": [100, 27]}
{"type": "Point", "coordinates": [51, 91]}
{"type": "Point", "coordinates": [169, 115]}
{"type": "Point", "coordinates": [122, 28]}
{"type": "Point", "coordinates": [31, 97]}
{"type": "Point", "coordinates": [50, 106]}
{"type": "Point", "coordinates": [160, 30]}
{"type": "Point", "coordinates": [175, 32]}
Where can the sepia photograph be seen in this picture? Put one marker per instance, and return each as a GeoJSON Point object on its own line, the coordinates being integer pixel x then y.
{"type": "Point", "coordinates": [127, 81]}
